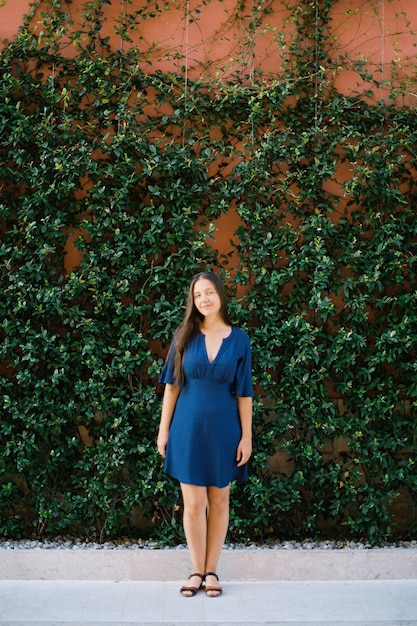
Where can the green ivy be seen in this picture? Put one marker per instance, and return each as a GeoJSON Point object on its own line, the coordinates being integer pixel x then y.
{"type": "Point", "coordinates": [139, 171]}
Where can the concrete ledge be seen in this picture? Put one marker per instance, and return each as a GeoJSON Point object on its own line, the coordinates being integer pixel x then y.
{"type": "Point", "coordinates": [237, 565]}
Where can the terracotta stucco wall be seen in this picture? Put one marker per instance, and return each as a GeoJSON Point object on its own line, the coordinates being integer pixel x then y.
{"type": "Point", "coordinates": [208, 38]}
{"type": "Point", "coordinates": [217, 38]}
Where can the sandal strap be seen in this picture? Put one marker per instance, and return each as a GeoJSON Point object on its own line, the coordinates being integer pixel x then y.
{"type": "Point", "coordinates": [211, 574]}
{"type": "Point", "coordinates": [197, 574]}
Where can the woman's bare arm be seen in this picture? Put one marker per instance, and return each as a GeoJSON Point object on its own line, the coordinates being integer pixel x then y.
{"type": "Point", "coordinates": [244, 449]}
{"type": "Point", "coordinates": [169, 401]}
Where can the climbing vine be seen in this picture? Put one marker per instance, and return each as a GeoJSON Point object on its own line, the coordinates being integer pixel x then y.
{"type": "Point", "coordinates": [121, 156]}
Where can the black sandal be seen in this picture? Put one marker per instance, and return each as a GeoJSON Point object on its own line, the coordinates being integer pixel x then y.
{"type": "Point", "coordinates": [214, 592]}
{"type": "Point", "coordinates": [191, 591]}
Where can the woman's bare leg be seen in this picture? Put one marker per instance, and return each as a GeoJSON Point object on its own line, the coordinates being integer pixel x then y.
{"type": "Point", "coordinates": [195, 528]}
{"type": "Point", "coordinates": [217, 525]}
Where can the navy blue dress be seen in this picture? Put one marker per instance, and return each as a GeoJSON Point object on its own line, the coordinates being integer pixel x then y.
{"type": "Point", "coordinates": [205, 429]}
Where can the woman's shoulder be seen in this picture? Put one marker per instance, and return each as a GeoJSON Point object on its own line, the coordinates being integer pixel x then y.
{"type": "Point", "coordinates": [240, 334]}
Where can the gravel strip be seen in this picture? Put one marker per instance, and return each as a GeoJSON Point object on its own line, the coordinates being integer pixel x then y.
{"type": "Point", "coordinates": [68, 543]}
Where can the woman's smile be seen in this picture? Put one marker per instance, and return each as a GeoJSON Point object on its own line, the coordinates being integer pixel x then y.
{"type": "Point", "coordinates": [206, 298]}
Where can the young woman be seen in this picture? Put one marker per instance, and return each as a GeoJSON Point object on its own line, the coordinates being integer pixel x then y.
{"type": "Point", "coordinates": [205, 432]}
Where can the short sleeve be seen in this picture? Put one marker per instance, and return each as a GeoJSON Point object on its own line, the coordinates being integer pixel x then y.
{"type": "Point", "coordinates": [167, 374]}
{"type": "Point", "coordinates": [243, 379]}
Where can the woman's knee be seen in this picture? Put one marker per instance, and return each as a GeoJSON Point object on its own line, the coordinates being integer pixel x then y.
{"type": "Point", "coordinates": [194, 499]}
{"type": "Point", "coordinates": [218, 498]}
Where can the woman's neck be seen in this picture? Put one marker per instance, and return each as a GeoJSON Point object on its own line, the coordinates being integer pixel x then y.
{"type": "Point", "coordinates": [213, 323]}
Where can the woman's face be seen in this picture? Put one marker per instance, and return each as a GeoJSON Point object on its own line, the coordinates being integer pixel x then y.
{"type": "Point", "coordinates": [206, 299]}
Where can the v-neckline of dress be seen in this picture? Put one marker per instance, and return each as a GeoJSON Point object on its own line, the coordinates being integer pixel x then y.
{"type": "Point", "coordinates": [220, 347]}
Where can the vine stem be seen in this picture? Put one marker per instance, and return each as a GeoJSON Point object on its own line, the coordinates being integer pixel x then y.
{"type": "Point", "coordinates": [383, 44]}
{"type": "Point", "coordinates": [316, 54]}
{"type": "Point", "coordinates": [186, 60]}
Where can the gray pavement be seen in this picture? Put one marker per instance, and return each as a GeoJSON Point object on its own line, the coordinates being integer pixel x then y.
{"type": "Point", "coordinates": [246, 603]}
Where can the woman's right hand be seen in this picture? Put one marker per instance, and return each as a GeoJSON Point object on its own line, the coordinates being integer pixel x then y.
{"type": "Point", "coordinates": [171, 394]}
{"type": "Point", "coordinates": [162, 444]}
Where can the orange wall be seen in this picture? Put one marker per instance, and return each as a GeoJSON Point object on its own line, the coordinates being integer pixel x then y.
{"type": "Point", "coordinates": [11, 14]}
{"type": "Point", "coordinates": [210, 41]}
{"type": "Point", "coordinates": [381, 30]}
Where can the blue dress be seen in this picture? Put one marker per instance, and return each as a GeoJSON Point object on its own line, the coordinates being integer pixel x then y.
{"type": "Point", "coordinates": [205, 428]}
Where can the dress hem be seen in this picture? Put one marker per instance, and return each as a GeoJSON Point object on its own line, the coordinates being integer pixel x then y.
{"type": "Point", "coordinates": [201, 484]}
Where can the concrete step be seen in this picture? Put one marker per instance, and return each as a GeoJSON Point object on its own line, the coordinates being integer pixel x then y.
{"type": "Point", "coordinates": [235, 565]}
{"type": "Point", "coordinates": [128, 603]}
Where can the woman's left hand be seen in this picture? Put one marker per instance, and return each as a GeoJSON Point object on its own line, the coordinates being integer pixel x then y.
{"type": "Point", "coordinates": [244, 451]}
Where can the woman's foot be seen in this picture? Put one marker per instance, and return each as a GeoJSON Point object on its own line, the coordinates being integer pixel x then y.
{"type": "Point", "coordinates": [213, 589]}
{"type": "Point", "coordinates": [195, 583]}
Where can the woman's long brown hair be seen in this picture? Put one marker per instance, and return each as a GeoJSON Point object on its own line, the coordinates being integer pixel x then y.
{"type": "Point", "coordinates": [190, 325]}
